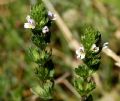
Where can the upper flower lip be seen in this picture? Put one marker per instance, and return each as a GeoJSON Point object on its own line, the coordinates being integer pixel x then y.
{"type": "Point", "coordinates": [94, 48]}
{"type": "Point", "coordinates": [51, 16]}
{"type": "Point", "coordinates": [80, 52]}
{"type": "Point", "coordinates": [105, 45]}
{"type": "Point", "coordinates": [45, 29]}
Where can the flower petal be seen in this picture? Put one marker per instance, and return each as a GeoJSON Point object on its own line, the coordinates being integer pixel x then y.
{"type": "Point", "coordinates": [51, 16]}
{"type": "Point", "coordinates": [82, 56]}
{"type": "Point", "coordinates": [94, 48]}
{"type": "Point", "coordinates": [45, 29]}
{"type": "Point", "coordinates": [28, 17]}
{"type": "Point", "coordinates": [80, 53]}
{"type": "Point", "coordinates": [105, 45]}
{"type": "Point", "coordinates": [28, 25]}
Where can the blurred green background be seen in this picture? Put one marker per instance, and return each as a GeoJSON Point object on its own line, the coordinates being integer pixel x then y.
{"type": "Point", "coordinates": [16, 67]}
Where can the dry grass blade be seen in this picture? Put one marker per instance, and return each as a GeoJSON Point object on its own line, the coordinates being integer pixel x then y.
{"type": "Point", "coordinates": [4, 2]}
{"type": "Point", "coordinates": [111, 54]}
{"type": "Point", "coordinates": [59, 80]}
{"type": "Point", "coordinates": [71, 88]}
{"type": "Point", "coordinates": [103, 10]}
{"type": "Point", "coordinates": [67, 60]}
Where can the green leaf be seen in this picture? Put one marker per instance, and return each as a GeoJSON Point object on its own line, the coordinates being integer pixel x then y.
{"type": "Point", "coordinates": [78, 84]}
{"type": "Point", "coordinates": [89, 36]}
{"type": "Point", "coordinates": [82, 71]}
{"type": "Point", "coordinates": [44, 90]}
{"type": "Point", "coordinates": [40, 15]}
{"type": "Point", "coordinates": [39, 41]}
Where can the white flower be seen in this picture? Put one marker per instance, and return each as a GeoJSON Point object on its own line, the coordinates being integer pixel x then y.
{"type": "Point", "coordinates": [45, 29]}
{"type": "Point", "coordinates": [30, 23]}
{"type": "Point", "coordinates": [80, 53]}
{"type": "Point", "coordinates": [105, 45]}
{"type": "Point", "coordinates": [94, 48]}
{"type": "Point", "coordinates": [51, 16]}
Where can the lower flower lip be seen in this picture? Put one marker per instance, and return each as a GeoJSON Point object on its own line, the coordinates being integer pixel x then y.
{"type": "Point", "coordinates": [28, 25]}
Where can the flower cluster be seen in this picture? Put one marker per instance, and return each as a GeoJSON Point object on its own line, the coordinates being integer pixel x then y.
{"type": "Point", "coordinates": [31, 22]}
{"type": "Point", "coordinates": [80, 52]}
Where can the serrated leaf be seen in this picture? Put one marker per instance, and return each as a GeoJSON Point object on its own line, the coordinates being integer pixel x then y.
{"type": "Point", "coordinates": [44, 90]}
{"type": "Point", "coordinates": [40, 15]}
{"type": "Point", "coordinates": [82, 71]}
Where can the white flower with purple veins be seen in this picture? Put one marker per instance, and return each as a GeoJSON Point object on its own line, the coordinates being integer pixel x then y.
{"type": "Point", "coordinates": [30, 23]}
{"type": "Point", "coordinates": [105, 45]}
{"type": "Point", "coordinates": [51, 16]}
{"type": "Point", "coordinates": [80, 53]}
{"type": "Point", "coordinates": [94, 48]}
{"type": "Point", "coordinates": [45, 29]}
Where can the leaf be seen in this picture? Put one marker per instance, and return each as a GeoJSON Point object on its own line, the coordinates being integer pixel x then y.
{"type": "Point", "coordinates": [44, 90]}
{"type": "Point", "coordinates": [40, 15]}
{"type": "Point", "coordinates": [89, 36]}
{"type": "Point", "coordinates": [82, 71]}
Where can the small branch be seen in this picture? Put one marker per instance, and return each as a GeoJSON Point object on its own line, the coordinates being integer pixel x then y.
{"type": "Point", "coordinates": [62, 78]}
{"type": "Point", "coordinates": [102, 9]}
{"type": "Point", "coordinates": [71, 88]}
{"type": "Point", "coordinates": [66, 58]}
{"type": "Point", "coordinates": [111, 54]}
{"type": "Point", "coordinates": [98, 83]}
